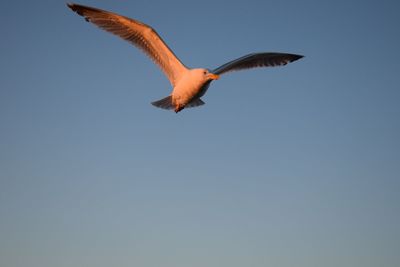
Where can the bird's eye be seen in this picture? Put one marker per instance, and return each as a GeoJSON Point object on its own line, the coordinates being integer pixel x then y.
{"type": "Point", "coordinates": [204, 72]}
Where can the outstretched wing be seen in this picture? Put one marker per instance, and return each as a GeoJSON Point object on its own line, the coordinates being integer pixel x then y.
{"type": "Point", "coordinates": [257, 60]}
{"type": "Point", "coordinates": [138, 34]}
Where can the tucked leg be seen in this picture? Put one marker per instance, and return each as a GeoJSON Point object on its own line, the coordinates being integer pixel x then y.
{"type": "Point", "coordinates": [178, 108]}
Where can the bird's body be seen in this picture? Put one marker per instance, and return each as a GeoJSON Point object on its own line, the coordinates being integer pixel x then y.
{"type": "Point", "coordinates": [189, 87]}
{"type": "Point", "coordinates": [188, 84]}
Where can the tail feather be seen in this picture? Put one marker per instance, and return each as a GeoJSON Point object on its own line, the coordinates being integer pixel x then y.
{"type": "Point", "coordinates": [165, 103]}
{"type": "Point", "coordinates": [195, 103]}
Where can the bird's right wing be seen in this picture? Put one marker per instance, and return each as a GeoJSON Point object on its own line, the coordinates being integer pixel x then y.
{"type": "Point", "coordinates": [257, 60]}
{"type": "Point", "coordinates": [138, 34]}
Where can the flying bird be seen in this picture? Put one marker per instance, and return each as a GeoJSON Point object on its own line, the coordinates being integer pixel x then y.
{"type": "Point", "coordinates": [189, 84]}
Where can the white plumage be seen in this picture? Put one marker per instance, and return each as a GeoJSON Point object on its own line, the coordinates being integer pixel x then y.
{"type": "Point", "coordinates": [188, 84]}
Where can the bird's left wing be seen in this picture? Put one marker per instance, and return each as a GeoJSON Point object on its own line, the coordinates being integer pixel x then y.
{"type": "Point", "coordinates": [138, 34]}
{"type": "Point", "coordinates": [257, 60]}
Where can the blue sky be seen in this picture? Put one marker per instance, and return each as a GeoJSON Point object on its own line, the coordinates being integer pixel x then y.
{"type": "Point", "coordinates": [291, 166]}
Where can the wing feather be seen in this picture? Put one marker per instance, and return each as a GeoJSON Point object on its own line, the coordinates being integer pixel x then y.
{"type": "Point", "coordinates": [137, 33]}
{"type": "Point", "coordinates": [257, 60]}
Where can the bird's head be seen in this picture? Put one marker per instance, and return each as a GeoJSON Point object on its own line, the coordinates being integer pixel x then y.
{"type": "Point", "coordinates": [199, 77]}
{"type": "Point", "coordinates": [207, 75]}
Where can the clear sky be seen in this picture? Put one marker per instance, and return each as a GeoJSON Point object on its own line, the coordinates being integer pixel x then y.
{"type": "Point", "coordinates": [291, 166]}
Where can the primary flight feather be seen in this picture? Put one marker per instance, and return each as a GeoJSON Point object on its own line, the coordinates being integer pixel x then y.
{"type": "Point", "coordinates": [188, 84]}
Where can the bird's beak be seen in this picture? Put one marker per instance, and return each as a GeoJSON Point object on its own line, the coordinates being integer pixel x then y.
{"type": "Point", "coordinates": [213, 76]}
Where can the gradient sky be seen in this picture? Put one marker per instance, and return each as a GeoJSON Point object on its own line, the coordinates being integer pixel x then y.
{"type": "Point", "coordinates": [290, 166]}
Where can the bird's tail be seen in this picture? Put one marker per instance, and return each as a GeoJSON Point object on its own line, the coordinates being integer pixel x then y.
{"type": "Point", "coordinates": [165, 103]}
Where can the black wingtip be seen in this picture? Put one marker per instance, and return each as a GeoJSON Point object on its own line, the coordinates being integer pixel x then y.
{"type": "Point", "coordinates": [78, 9]}
{"type": "Point", "coordinates": [296, 57]}
{"type": "Point", "coordinates": [71, 6]}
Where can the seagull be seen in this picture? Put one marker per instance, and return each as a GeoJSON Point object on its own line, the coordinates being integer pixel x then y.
{"type": "Point", "coordinates": [189, 84]}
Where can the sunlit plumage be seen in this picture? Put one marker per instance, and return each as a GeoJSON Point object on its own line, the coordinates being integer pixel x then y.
{"type": "Point", "coordinates": [189, 85]}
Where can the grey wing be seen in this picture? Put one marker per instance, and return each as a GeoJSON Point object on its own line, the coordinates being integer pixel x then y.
{"type": "Point", "coordinates": [257, 60]}
{"type": "Point", "coordinates": [138, 34]}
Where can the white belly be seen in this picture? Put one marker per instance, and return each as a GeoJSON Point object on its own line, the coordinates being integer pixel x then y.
{"type": "Point", "coordinates": [186, 89]}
